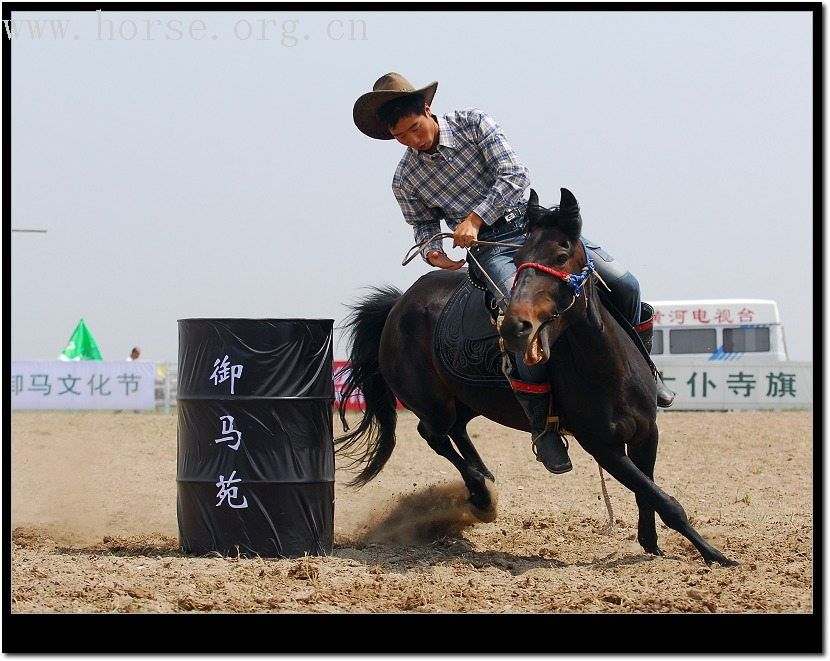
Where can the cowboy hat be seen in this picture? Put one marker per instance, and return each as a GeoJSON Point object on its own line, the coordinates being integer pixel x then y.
{"type": "Point", "coordinates": [387, 87]}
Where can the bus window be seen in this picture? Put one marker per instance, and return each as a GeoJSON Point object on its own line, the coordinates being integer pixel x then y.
{"type": "Point", "coordinates": [692, 340]}
{"type": "Point", "coordinates": [737, 340]}
{"type": "Point", "coordinates": [657, 343]}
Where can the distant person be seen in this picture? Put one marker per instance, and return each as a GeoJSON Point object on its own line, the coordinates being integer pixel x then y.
{"type": "Point", "coordinates": [134, 355]}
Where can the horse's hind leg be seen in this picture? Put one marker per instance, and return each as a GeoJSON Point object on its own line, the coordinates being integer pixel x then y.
{"type": "Point", "coordinates": [473, 479]}
{"type": "Point", "coordinates": [613, 459]}
{"type": "Point", "coordinates": [644, 456]}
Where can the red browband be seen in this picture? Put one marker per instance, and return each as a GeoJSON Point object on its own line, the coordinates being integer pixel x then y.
{"type": "Point", "coordinates": [547, 269]}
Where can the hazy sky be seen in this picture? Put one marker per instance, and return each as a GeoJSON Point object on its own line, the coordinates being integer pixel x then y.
{"type": "Point", "coordinates": [185, 166]}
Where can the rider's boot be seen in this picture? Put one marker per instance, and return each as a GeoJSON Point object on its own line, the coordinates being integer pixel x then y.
{"type": "Point", "coordinates": [548, 445]}
{"type": "Point", "coordinates": [645, 331]}
{"type": "Point", "coordinates": [665, 396]}
{"type": "Point", "coordinates": [531, 386]}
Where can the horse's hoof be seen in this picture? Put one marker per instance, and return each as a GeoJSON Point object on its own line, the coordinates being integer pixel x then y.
{"type": "Point", "coordinates": [484, 515]}
{"type": "Point", "coordinates": [724, 562]}
{"type": "Point", "coordinates": [484, 505]}
{"type": "Point", "coordinates": [654, 550]}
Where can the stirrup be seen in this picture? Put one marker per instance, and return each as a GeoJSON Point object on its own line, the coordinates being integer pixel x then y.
{"type": "Point", "coordinates": [557, 460]}
{"type": "Point", "coordinates": [553, 425]}
{"type": "Point", "coordinates": [536, 453]}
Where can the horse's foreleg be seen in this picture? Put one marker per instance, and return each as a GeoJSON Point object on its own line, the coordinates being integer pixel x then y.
{"type": "Point", "coordinates": [473, 478]}
{"type": "Point", "coordinates": [613, 459]}
{"type": "Point", "coordinates": [458, 433]}
{"type": "Point", "coordinates": [481, 494]}
{"type": "Point", "coordinates": [644, 456]}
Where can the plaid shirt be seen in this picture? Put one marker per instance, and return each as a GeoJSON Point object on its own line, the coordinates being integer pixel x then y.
{"type": "Point", "coordinates": [473, 169]}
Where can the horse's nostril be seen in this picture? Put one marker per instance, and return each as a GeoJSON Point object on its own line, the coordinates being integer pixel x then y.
{"type": "Point", "coordinates": [523, 327]}
{"type": "Point", "coordinates": [518, 328]}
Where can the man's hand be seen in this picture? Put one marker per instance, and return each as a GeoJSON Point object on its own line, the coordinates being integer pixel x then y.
{"type": "Point", "coordinates": [467, 231]}
{"type": "Point", "coordinates": [440, 259]}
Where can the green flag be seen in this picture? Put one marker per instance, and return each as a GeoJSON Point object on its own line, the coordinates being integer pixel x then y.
{"type": "Point", "coordinates": [81, 345]}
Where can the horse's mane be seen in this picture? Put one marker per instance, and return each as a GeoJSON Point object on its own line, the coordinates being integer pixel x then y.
{"type": "Point", "coordinates": [544, 216]}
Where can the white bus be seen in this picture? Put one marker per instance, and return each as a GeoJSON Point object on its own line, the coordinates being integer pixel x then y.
{"type": "Point", "coordinates": [728, 329]}
{"type": "Point", "coordinates": [728, 354]}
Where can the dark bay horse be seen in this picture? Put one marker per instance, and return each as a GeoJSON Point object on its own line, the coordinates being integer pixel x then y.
{"type": "Point", "coordinates": [604, 387]}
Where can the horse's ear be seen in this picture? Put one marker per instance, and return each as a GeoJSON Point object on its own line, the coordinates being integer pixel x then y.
{"type": "Point", "coordinates": [533, 211]}
{"type": "Point", "coordinates": [570, 220]}
{"type": "Point", "coordinates": [567, 199]}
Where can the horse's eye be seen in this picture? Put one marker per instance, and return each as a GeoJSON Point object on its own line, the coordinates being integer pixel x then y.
{"type": "Point", "coordinates": [560, 261]}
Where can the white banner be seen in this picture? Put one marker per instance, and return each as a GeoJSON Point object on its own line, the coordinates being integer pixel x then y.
{"type": "Point", "coordinates": [83, 384]}
{"type": "Point", "coordinates": [722, 386]}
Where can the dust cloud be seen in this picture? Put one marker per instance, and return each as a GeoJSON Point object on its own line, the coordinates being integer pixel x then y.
{"type": "Point", "coordinates": [423, 516]}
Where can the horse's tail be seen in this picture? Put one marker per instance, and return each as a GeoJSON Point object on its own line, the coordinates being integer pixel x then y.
{"type": "Point", "coordinates": [373, 440]}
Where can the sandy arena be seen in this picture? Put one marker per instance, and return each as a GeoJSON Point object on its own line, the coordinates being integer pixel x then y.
{"type": "Point", "coordinates": [95, 529]}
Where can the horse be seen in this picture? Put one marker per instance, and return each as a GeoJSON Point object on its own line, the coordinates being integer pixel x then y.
{"type": "Point", "coordinates": [604, 387]}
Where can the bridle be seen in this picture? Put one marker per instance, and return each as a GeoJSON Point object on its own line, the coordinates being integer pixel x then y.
{"type": "Point", "coordinates": [576, 281]}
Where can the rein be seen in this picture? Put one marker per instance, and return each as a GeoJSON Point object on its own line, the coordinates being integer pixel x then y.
{"type": "Point", "coordinates": [412, 253]}
{"type": "Point", "coordinates": [414, 250]}
{"type": "Point", "coordinates": [575, 281]}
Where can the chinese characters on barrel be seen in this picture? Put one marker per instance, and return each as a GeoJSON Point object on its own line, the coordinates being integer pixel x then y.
{"type": "Point", "coordinates": [231, 493]}
{"type": "Point", "coordinates": [227, 428]}
{"type": "Point", "coordinates": [222, 371]}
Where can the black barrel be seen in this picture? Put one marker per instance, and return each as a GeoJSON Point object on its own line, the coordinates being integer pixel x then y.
{"type": "Point", "coordinates": [255, 451]}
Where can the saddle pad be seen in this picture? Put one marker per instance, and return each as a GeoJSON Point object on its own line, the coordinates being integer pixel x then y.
{"type": "Point", "coordinates": [466, 342]}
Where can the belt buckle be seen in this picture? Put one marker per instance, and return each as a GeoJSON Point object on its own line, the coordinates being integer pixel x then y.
{"type": "Point", "coordinates": [511, 215]}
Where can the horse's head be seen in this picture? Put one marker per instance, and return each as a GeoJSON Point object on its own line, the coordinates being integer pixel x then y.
{"type": "Point", "coordinates": [551, 278]}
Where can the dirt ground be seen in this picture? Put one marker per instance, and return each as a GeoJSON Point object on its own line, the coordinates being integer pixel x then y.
{"type": "Point", "coordinates": [94, 527]}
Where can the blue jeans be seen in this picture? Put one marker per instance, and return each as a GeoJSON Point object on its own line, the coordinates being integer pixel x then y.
{"type": "Point", "coordinates": [498, 263]}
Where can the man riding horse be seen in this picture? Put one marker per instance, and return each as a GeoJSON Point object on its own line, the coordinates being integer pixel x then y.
{"type": "Point", "coordinates": [459, 167]}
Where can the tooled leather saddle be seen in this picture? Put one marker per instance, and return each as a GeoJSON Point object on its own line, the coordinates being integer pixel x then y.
{"type": "Point", "coordinates": [466, 340]}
